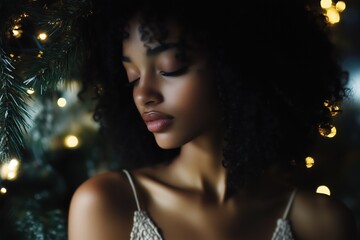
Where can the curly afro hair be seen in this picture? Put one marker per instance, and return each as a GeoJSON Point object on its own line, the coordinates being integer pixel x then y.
{"type": "Point", "coordinates": [275, 67]}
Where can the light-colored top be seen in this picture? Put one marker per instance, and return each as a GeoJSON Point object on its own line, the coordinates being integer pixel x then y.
{"type": "Point", "coordinates": [145, 229]}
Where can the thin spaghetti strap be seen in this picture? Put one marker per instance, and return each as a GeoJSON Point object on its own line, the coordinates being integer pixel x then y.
{"type": "Point", "coordinates": [289, 204]}
{"type": "Point", "coordinates": [133, 188]}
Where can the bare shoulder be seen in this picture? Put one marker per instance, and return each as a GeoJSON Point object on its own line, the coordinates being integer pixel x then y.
{"type": "Point", "coordinates": [319, 216]}
{"type": "Point", "coordinates": [99, 206]}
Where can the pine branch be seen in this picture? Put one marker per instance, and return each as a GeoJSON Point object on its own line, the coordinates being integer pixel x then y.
{"type": "Point", "coordinates": [13, 111]}
{"type": "Point", "coordinates": [34, 221]}
{"type": "Point", "coordinates": [62, 54]}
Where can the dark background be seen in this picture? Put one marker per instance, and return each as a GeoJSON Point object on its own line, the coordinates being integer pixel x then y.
{"type": "Point", "coordinates": [340, 159]}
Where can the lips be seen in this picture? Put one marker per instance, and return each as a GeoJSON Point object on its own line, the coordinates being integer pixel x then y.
{"type": "Point", "coordinates": [157, 121]}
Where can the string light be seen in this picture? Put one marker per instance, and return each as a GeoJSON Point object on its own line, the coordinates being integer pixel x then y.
{"type": "Point", "coordinates": [24, 15]}
{"type": "Point", "coordinates": [9, 171]}
{"type": "Point", "coordinates": [340, 6]}
{"type": "Point", "coordinates": [16, 28]}
{"type": "Point", "coordinates": [325, 4]}
{"type": "Point", "coordinates": [3, 190]}
{"type": "Point", "coordinates": [333, 16]}
{"type": "Point", "coordinates": [322, 189]}
{"type": "Point", "coordinates": [40, 54]}
{"type": "Point", "coordinates": [30, 91]}
{"type": "Point", "coordinates": [42, 36]}
{"type": "Point", "coordinates": [327, 130]}
{"type": "Point", "coordinates": [71, 141]}
{"type": "Point", "coordinates": [16, 31]}
{"type": "Point", "coordinates": [309, 161]}
{"type": "Point", "coordinates": [334, 109]}
{"type": "Point", "coordinates": [61, 102]}
{"type": "Point", "coordinates": [332, 11]}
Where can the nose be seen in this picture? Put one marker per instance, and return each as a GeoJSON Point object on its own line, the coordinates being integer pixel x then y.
{"type": "Point", "coordinates": [148, 91]}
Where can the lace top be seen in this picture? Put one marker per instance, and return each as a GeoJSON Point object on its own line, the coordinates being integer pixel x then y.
{"type": "Point", "coordinates": [145, 229]}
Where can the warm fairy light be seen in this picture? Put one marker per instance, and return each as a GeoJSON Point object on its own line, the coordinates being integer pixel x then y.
{"type": "Point", "coordinates": [329, 132]}
{"type": "Point", "coordinates": [16, 31]}
{"type": "Point", "coordinates": [332, 11]}
{"type": "Point", "coordinates": [30, 91]}
{"type": "Point", "coordinates": [334, 109]}
{"type": "Point", "coordinates": [332, 132]}
{"type": "Point", "coordinates": [309, 161]}
{"type": "Point", "coordinates": [71, 141]}
{"type": "Point", "coordinates": [325, 4]}
{"type": "Point", "coordinates": [332, 15]}
{"type": "Point", "coordinates": [340, 6]}
{"type": "Point", "coordinates": [11, 55]}
{"type": "Point", "coordinates": [322, 189]}
{"type": "Point", "coordinates": [3, 190]}
{"type": "Point", "coordinates": [42, 36]}
{"type": "Point", "coordinates": [40, 53]}
{"type": "Point", "coordinates": [61, 102]}
{"type": "Point", "coordinates": [11, 176]}
{"type": "Point", "coordinates": [20, 17]}
{"type": "Point", "coordinates": [9, 171]}
{"type": "Point", "coordinates": [14, 163]}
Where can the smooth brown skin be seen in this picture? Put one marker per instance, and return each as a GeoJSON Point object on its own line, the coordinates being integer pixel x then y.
{"type": "Point", "coordinates": [188, 199]}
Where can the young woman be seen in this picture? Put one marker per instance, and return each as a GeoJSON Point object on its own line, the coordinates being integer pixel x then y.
{"type": "Point", "coordinates": [210, 110]}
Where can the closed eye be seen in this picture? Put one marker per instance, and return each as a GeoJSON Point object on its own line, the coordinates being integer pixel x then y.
{"type": "Point", "coordinates": [174, 73]}
{"type": "Point", "coordinates": [132, 83]}
{"type": "Point", "coordinates": [178, 72]}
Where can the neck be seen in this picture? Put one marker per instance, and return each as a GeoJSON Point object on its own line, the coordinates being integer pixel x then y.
{"type": "Point", "coordinates": [199, 168]}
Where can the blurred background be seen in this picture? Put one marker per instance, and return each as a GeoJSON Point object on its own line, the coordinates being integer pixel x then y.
{"type": "Point", "coordinates": [341, 164]}
{"type": "Point", "coordinates": [62, 146]}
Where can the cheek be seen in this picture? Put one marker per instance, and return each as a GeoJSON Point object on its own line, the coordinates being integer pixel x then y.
{"type": "Point", "coordinates": [196, 95]}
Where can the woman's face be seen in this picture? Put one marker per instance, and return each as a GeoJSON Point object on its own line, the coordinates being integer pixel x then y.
{"type": "Point", "coordinates": [173, 88]}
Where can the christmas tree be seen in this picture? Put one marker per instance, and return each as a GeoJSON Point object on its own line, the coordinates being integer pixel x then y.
{"type": "Point", "coordinates": [49, 139]}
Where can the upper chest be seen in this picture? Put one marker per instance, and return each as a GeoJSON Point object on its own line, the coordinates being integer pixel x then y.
{"type": "Point", "coordinates": [182, 214]}
{"type": "Point", "coordinates": [197, 220]}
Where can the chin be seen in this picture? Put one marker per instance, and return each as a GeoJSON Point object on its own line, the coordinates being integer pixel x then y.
{"type": "Point", "coordinates": [168, 143]}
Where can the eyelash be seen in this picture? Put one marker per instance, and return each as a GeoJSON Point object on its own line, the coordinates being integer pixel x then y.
{"type": "Point", "coordinates": [132, 83]}
{"type": "Point", "coordinates": [174, 73]}
{"type": "Point", "coordinates": [165, 74]}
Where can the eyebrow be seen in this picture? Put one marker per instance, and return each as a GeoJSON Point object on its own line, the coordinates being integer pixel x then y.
{"type": "Point", "coordinates": [156, 50]}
